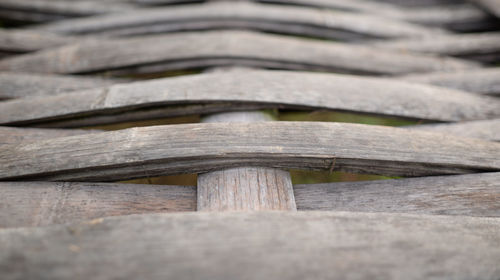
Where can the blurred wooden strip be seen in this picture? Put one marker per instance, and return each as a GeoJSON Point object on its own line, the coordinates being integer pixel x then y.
{"type": "Point", "coordinates": [21, 41]}
{"type": "Point", "coordinates": [272, 245]}
{"type": "Point", "coordinates": [462, 45]}
{"type": "Point", "coordinates": [286, 19]}
{"type": "Point", "coordinates": [167, 51]}
{"type": "Point", "coordinates": [196, 148]}
{"type": "Point", "coordinates": [17, 85]}
{"type": "Point", "coordinates": [487, 129]}
{"type": "Point", "coordinates": [44, 203]}
{"type": "Point", "coordinates": [16, 135]}
{"type": "Point", "coordinates": [271, 89]}
{"type": "Point", "coordinates": [469, 195]}
{"type": "Point", "coordinates": [484, 80]}
{"type": "Point", "coordinates": [49, 10]}
{"type": "Point", "coordinates": [492, 6]}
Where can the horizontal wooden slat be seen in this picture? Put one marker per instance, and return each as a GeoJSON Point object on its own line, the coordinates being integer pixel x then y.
{"type": "Point", "coordinates": [45, 203]}
{"type": "Point", "coordinates": [16, 85]}
{"type": "Point", "coordinates": [486, 129]}
{"type": "Point", "coordinates": [191, 50]}
{"type": "Point", "coordinates": [274, 245]}
{"type": "Point", "coordinates": [47, 10]}
{"type": "Point", "coordinates": [471, 195]}
{"type": "Point", "coordinates": [20, 41]}
{"type": "Point", "coordinates": [269, 88]}
{"type": "Point", "coordinates": [26, 204]}
{"type": "Point", "coordinates": [463, 45]}
{"type": "Point", "coordinates": [16, 135]}
{"type": "Point", "coordinates": [483, 80]}
{"type": "Point", "coordinates": [196, 148]}
{"type": "Point", "coordinates": [276, 18]}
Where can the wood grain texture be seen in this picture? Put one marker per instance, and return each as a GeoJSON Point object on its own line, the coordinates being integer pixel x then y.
{"type": "Point", "coordinates": [486, 129]}
{"type": "Point", "coordinates": [484, 80]}
{"type": "Point", "coordinates": [470, 195]}
{"type": "Point", "coordinates": [25, 204]}
{"type": "Point", "coordinates": [194, 50]}
{"type": "Point", "coordinates": [45, 203]}
{"type": "Point", "coordinates": [16, 85]}
{"type": "Point", "coordinates": [271, 89]}
{"type": "Point", "coordinates": [244, 188]}
{"type": "Point", "coordinates": [256, 246]}
{"type": "Point", "coordinates": [462, 45]}
{"type": "Point", "coordinates": [197, 148]}
{"type": "Point", "coordinates": [247, 15]}
{"type": "Point", "coordinates": [15, 135]}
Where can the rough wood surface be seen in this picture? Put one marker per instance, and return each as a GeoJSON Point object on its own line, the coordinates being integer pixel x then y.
{"type": "Point", "coordinates": [244, 188]}
{"type": "Point", "coordinates": [270, 88]}
{"type": "Point", "coordinates": [462, 45]}
{"type": "Point", "coordinates": [26, 204]}
{"type": "Point", "coordinates": [275, 18]}
{"type": "Point", "coordinates": [194, 50]}
{"type": "Point", "coordinates": [471, 195]}
{"type": "Point", "coordinates": [486, 129]}
{"type": "Point", "coordinates": [15, 135]}
{"type": "Point", "coordinates": [45, 203]}
{"type": "Point", "coordinates": [279, 245]}
{"type": "Point", "coordinates": [16, 85]}
{"type": "Point", "coordinates": [20, 40]}
{"type": "Point", "coordinates": [484, 80]}
{"type": "Point", "coordinates": [196, 148]}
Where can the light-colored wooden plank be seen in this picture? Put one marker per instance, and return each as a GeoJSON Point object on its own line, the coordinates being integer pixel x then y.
{"type": "Point", "coordinates": [462, 45]}
{"type": "Point", "coordinates": [45, 203]}
{"type": "Point", "coordinates": [16, 135]}
{"type": "Point", "coordinates": [486, 129]}
{"type": "Point", "coordinates": [16, 85]}
{"type": "Point", "coordinates": [276, 245]}
{"type": "Point", "coordinates": [20, 40]}
{"type": "Point", "coordinates": [275, 18]}
{"type": "Point", "coordinates": [194, 50]}
{"type": "Point", "coordinates": [271, 89]}
{"type": "Point", "coordinates": [244, 188]}
{"type": "Point", "coordinates": [470, 195]}
{"type": "Point", "coordinates": [484, 80]}
{"type": "Point", "coordinates": [197, 148]}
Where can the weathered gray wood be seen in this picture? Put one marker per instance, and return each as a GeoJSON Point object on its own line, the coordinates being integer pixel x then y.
{"type": "Point", "coordinates": [48, 10]}
{"type": "Point", "coordinates": [471, 195]}
{"type": "Point", "coordinates": [197, 148]}
{"type": "Point", "coordinates": [268, 88]}
{"type": "Point", "coordinates": [45, 203]}
{"type": "Point", "coordinates": [487, 129]}
{"type": "Point", "coordinates": [15, 135]}
{"type": "Point", "coordinates": [463, 45]}
{"type": "Point", "coordinates": [15, 84]}
{"type": "Point", "coordinates": [244, 188]}
{"type": "Point", "coordinates": [19, 40]}
{"type": "Point", "coordinates": [233, 47]}
{"type": "Point", "coordinates": [277, 245]}
{"type": "Point", "coordinates": [484, 80]}
{"type": "Point", "coordinates": [277, 18]}
{"type": "Point", "coordinates": [42, 203]}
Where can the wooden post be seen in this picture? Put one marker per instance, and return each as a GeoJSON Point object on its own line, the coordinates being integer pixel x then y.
{"type": "Point", "coordinates": [244, 188]}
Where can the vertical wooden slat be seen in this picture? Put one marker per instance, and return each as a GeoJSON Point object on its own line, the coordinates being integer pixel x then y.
{"type": "Point", "coordinates": [244, 188]}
